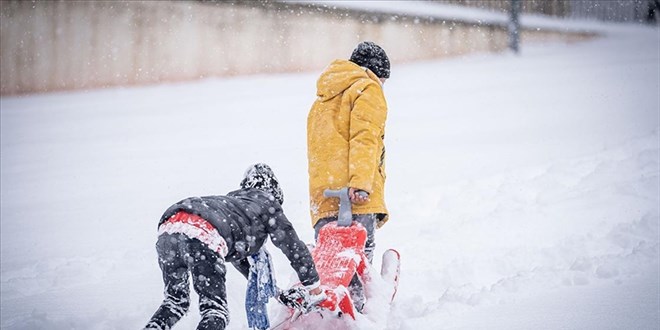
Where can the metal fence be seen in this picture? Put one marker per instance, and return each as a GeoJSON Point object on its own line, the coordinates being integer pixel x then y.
{"type": "Point", "coordinates": [544, 7]}
{"type": "Point", "coordinates": [617, 11]}
{"type": "Point", "coordinates": [643, 11]}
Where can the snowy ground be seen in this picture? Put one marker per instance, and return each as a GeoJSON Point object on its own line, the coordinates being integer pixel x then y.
{"type": "Point", "coordinates": [523, 190]}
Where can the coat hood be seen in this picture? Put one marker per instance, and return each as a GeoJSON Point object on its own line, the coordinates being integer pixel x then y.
{"type": "Point", "coordinates": [339, 76]}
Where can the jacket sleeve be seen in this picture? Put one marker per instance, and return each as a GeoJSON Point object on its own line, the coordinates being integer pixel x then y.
{"type": "Point", "coordinates": [367, 124]}
{"type": "Point", "coordinates": [243, 266]}
{"type": "Point", "coordinates": [285, 238]}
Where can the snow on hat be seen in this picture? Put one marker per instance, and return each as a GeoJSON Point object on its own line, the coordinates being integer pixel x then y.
{"type": "Point", "coordinates": [371, 56]}
{"type": "Point", "coordinates": [260, 176]}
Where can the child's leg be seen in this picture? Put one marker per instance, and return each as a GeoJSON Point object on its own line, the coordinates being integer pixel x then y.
{"type": "Point", "coordinates": [170, 249]}
{"type": "Point", "coordinates": [208, 271]}
{"type": "Point", "coordinates": [356, 288]}
{"type": "Point", "coordinates": [369, 223]}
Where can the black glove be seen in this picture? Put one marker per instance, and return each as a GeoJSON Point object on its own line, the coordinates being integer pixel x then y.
{"type": "Point", "coordinates": [300, 299]}
{"type": "Point", "coordinates": [293, 298]}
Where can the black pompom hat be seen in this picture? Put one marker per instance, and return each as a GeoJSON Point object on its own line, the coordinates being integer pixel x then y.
{"type": "Point", "coordinates": [261, 176]}
{"type": "Point", "coordinates": [371, 56]}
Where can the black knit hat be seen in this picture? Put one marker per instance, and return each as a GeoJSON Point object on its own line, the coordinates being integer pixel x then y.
{"type": "Point", "coordinates": [371, 56]}
{"type": "Point", "coordinates": [261, 177]}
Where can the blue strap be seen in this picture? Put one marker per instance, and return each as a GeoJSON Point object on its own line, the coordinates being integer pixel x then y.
{"type": "Point", "coordinates": [261, 286]}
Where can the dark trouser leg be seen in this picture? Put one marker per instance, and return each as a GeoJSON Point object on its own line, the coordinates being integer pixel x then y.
{"type": "Point", "coordinates": [170, 250]}
{"type": "Point", "coordinates": [369, 222]}
{"type": "Point", "coordinates": [208, 272]}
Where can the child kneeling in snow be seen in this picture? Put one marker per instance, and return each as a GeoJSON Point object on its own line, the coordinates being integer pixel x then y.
{"type": "Point", "coordinates": [198, 234]}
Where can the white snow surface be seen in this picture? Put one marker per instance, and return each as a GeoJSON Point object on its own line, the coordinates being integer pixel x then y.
{"type": "Point", "coordinates": [523, 190]}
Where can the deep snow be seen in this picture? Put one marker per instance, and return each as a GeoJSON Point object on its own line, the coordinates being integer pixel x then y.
{"type": "Point", "coordinates": [523, 190]}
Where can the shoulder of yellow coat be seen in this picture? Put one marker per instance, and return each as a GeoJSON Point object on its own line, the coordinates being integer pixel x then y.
{"type": "Point", "coordinates": [339, 76]}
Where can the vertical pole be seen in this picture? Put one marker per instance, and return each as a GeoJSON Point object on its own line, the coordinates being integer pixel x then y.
{"type": "Point", "coordinates": [514, 27]}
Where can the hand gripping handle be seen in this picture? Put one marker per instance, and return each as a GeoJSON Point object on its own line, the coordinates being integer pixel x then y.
{"type": "Point", "coordinates": [345, 217]}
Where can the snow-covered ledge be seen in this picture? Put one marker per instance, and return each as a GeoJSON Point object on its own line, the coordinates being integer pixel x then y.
{"type": "Point", "coordinates": [65, 45]}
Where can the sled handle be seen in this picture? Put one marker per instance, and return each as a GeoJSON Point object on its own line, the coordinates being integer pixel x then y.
{"type": "Point", "coordinates": [345, 217]}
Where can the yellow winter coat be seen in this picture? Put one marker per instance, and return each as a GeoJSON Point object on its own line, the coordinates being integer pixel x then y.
{"type": "Point", "coordinates": [345, 132]}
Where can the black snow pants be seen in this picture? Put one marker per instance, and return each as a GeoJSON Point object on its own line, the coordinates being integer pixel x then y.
{"type": "Point", "coordinates": [178, 257]}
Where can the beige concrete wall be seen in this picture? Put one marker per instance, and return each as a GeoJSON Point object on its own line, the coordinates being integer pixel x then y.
{"type": "Point", "coordinates": [68, 45]}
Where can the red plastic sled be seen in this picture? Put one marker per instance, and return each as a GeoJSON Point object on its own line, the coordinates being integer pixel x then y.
{"type": "Point", "coordinates": [338, 255]}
